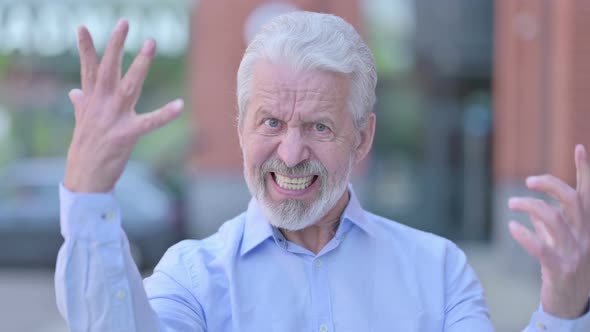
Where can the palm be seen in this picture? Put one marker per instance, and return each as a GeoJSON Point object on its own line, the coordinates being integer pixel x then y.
{"type": "Point", "coordinates": [107, 127]}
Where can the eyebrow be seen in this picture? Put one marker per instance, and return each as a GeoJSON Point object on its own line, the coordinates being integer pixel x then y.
{"type": "Point", "coordinates": [263, 112]}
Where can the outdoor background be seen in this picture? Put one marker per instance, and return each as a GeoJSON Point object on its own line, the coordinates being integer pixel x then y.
{"type": "Point", "coordinates": [473, 96]}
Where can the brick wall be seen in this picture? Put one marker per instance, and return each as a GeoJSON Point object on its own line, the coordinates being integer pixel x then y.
{"type": "Point", "coordinates": [541, 84]}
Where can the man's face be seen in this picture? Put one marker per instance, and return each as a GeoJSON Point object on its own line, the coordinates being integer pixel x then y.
{"type": "Point", "coordinates": [298, 142]}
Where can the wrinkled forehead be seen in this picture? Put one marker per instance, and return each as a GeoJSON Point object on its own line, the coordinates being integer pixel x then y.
{"type": "Point", "coordinates": [272, 80]}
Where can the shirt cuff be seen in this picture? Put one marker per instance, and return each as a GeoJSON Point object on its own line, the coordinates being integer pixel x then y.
{"type": "Point", "coordinates": [542, 321]}
{"type": "Point", "coordinates": [89, 216]}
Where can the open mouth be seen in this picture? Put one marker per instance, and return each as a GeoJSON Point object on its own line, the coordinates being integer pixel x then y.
{"type": "Point", "coordinates": [293, 183]}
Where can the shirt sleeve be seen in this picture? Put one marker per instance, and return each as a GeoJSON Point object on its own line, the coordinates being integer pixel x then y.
{"type": "Point", "coordinates": [465, 306]}
{"type": "Point", "coordinates": [171, 290]}
{"type": "Point", "coordinates": [544, 322]}
{"type": "Point", "coordinates": [98, 286]}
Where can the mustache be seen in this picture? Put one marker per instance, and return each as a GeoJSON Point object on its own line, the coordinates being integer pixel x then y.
{"type": "Point", "coordinates": [304, 168]}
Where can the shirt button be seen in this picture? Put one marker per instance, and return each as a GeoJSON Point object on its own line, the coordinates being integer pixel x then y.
{"type": "Point", "coordinates": [323, 328]}
{"type": "Point", "coordinates": [108, 216]}
{"type": "Point", "coordinates": [121, 294]}
{"type": "Point", "coordinates": [541, 326]}
{"type": "Point", "coordinates": [318, 263]}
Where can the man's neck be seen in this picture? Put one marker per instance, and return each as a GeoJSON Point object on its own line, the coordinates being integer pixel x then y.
{"type": "Point", "coordinates": [315, 237]}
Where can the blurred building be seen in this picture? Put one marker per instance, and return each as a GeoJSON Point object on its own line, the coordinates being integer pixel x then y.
{"type": "Point", "coordinates": [39, 58]}
{"type": "Point", "coordinates": [542, 76]}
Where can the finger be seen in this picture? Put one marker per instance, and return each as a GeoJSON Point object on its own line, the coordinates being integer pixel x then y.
{"type": "Point", "coordinates": [146, 123]}
{"type": "Point", "coordinates": [532, 245]}
{"type": "Point", "coordinates": [76, 97]}
{"type": "Point", "coordinates": [560, 191]}
{"type": "Point", "coordinates": [109, 70]}
{"type": "Point", "coordinates": [583, 175]}
{"type": "Point", "coordinates": [559, 231]}
{"type": "Point", "coordinates": [130, 87]}
{"type": "Point", "coordinates": [88, 59]}
{"type": "Point", "coordinates": [542, 232]}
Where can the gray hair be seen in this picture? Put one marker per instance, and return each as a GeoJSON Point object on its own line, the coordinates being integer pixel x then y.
{"type": "Point", "coordinates": [313, 41]}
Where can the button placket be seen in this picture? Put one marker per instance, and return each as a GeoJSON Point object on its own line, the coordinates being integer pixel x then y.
{"type": "Point", "coordinates": [321, 300]}
{"type": "Point", "coordinates": [108, 216]}
{"type": "Point", "coordinates": [121, 294]}
{"type": "Point", "coordinates": [317, 263]}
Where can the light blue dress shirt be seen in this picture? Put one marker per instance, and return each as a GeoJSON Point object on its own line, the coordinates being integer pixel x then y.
{"type": "Point", "coordinates": [374, 275]}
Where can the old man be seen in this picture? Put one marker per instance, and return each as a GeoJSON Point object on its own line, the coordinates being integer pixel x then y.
{"type": "Point", "coordinates": [304, 256]}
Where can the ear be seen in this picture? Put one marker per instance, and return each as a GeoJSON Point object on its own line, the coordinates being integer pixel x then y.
{"type": "Point", "coordinates": [366, 138]}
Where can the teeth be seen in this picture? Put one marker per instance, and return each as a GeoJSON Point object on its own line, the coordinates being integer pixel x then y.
{"type": "Point", "coordinates": [288, 183]}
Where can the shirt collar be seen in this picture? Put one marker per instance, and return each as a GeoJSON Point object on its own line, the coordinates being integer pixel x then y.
{"type": "Point", "coordinates": [257, 228]}
{"type": "Point", "coordinates": [354, 212]}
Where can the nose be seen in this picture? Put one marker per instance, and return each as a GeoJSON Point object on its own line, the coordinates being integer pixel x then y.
{"type": "Point", "coordinates": [292, 149]}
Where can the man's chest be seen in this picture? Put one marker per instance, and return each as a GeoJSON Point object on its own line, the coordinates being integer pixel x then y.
{"type": "Point", "coordinates": [323, 294]}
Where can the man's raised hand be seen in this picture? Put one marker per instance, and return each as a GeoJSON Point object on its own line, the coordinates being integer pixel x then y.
{"type": "Point", "coordinates": [107, 126]}
{"type": "Point", "coordinates": [561, 242]}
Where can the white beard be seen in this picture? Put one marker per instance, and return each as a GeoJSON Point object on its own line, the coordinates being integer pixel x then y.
{"type": "Point", "coordinates": [294, 214]}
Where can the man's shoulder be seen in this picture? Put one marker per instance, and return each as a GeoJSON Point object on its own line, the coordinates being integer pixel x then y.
{"type": "Point", "coordinates": [389, 227]}
{"type": "Point", "coordinates": [411, 241]}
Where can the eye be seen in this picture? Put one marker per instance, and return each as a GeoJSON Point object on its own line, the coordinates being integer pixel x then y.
{"type": "Point", "coordinates": [320, 127]}
{"type": "Point", "coordinates": [273, 123]}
